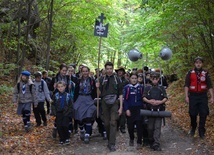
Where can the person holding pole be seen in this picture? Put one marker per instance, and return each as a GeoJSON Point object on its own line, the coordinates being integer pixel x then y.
{"type": "Point", "coordinates": [110, 89]}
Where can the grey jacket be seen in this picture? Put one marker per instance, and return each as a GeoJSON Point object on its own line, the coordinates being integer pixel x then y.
{"type": "Point", "coordinates": [42, 94]}
{"type": "Point", "coordinates": [28, 96]}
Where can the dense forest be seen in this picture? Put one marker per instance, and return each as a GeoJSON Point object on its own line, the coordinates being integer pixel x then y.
{"type": "Point", "coordinates": [42, 34]}
{"type": "Point", "coordinates": [40, 30]}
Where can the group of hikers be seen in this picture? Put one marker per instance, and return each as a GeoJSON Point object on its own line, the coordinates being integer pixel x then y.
{"type": "Point", "coordinates": [72, 98]}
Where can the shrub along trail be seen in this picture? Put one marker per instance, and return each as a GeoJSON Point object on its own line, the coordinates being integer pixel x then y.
{"type": "Point", "coordinates": [174, 138]}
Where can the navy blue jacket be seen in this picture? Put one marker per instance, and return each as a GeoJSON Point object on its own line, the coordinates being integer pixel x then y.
{"type": "Point", "coordinates": [133, 96]}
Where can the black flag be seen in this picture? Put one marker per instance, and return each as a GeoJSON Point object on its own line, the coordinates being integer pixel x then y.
{"type": "Point", "coordinates": [100, 29]}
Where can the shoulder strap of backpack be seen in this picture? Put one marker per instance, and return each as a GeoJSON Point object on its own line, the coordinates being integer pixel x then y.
{"type": "Point", "coordinates": [67, 97]}
{"type": "Point", "coordinates": [18, 86]}
{"type": "Point", "coordinates": [127, 92]}
{"type": "Point", "coordinates": [57, 96]}
{"type": "Point", "coordinates": [103, 78]}
{"type": "Point", "coordinates": [42, 84]}
{"type": "Point", "coordinates": [115, 79]}
{"type": "Point", "coordinates": [141, 90]}
{"type": "Point", "coordinates": [30, 86]}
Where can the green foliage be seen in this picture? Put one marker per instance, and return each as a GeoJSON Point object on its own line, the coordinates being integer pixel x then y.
{"type": "Point", "coordinates": [185, 26]}
{"type": "Point", "coordinates": [5, 89]}
{"type": "Point", "coordinates": [5, 69]}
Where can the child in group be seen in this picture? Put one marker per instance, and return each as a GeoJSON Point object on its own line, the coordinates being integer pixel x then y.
{"type": "Point", "coordinates": [62, 109]}
{"type": "Point", "coordinates": [42, 94]}
{"type": "Point", "coordinates": [155, 96]}
{"type": "Point", "coordinates": [133, 102]}
{"type": "Point", "coordinates": [24, 95]}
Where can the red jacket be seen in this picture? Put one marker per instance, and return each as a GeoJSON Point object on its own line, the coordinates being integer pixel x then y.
{"type": "Point", "coordinates": [196, 85]}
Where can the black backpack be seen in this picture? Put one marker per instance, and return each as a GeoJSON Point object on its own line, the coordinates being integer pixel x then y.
{"type": "Point", "coordinates": [156, 96]}
{"type": "Point", "coordinates": [18, 87]}
{"type": "Point", "coordinates": [30, 86]}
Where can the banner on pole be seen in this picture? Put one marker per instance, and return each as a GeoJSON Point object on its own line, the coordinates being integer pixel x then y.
{"type": "Point", "coordinates": [100, 30]}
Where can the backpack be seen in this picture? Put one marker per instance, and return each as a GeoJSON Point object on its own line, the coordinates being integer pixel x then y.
{"type": "Point", "coordinates": [42, 84]}
{"type": "Point", "coordinates": [116, 79]}
{"type": "Point", "coordinates": [151, 107]}
{"type": "Point", "coordinates": [18, 87]}
{"type": "Point", "coordinates": [67, 97]}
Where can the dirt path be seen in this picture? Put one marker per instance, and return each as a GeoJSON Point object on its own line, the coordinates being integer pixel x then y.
{"type": "Point", "coordinates": [174, 142]}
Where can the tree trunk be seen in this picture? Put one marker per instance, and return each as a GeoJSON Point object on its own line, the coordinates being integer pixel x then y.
{"type": "Point", "coordinates": [49, 36]}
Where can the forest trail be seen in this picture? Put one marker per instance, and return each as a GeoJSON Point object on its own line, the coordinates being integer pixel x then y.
{"type": "Point", "coordinates": [39, 141]}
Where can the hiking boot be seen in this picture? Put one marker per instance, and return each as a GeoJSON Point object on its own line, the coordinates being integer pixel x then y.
{"type": "Point", "coordinates": [67, 142]}
{"type": "Point", "coordinates": [192, 132]}
{"type": "Point", "coordinates": [201, 132]}
{"type": "Point", "coordinates": [131, 143]}
{"type": "Point", "coordinates": [138, 146]}
{"type": "Point", "coordinates": [82, 135]}
{"type": "Point", "coordinates": [201, 135]}
{"type": "Point", "coordinates": [104, 136]}
{"type": "Point", "coordinates": [54, 132]}
{"type": "Point", "coordinates": [112, 148]}
{"type": "Point", "coordinates": [86, 139]}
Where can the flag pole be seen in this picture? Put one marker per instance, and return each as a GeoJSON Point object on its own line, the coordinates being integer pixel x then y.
{"type": "Point", "coordinates": [101, 31]}
{"type": "Point", "coordinates": [98, 76]}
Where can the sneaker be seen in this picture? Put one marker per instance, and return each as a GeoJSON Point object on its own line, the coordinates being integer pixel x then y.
{"type": "Point", "coordinates": [61, 143]}
{"type": "Point", "coordinates": [82, 135]}
{"type": "Point", "coordinates": [67, 142]}
{"type": "Point", "coordinates": [104, 136]}
{"type": "Point", "coordinates": [131, 143]}
{"type": "Point", "coordinates": [138, 147]}
{"type": "Point", "coordinates": [86, 139]}
{"type": "Point", "coordinates": [112, 148]}
{"type": "Point", "coordinates": [44, 123]}
{"type": "Point", "coordinates": [54, 132]}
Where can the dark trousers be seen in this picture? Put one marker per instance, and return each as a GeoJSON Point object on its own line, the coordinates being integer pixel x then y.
{"type": "Point", "coordinates": [63, 133]}
{"type": "Point", "coordinates": [110, 117]}
{"type": "Point", "coordinates": [39, 113]}
{"type": "Point", "coordinates": [139, 126]}
{"type": "Point", "coordinates": [62, 123]}
{"type": "Point", "coordinates": [198, 105]}
{"type": "Point", "coordinates": [145, 134]}
{"type": "Point", "coordinates": [154, 130]}
{"type": "Point", "coordinates": [48, 106]}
